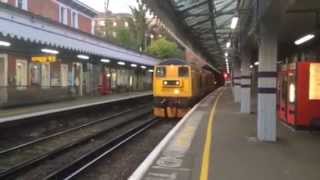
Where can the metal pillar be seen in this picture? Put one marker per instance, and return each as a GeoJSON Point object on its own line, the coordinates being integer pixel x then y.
{"type": "Point", "coordinates": [236, 82]}
{"type": "Point", "coordinates": [267, 77]}
{"type": "Point", "coordinates": [245, 96]}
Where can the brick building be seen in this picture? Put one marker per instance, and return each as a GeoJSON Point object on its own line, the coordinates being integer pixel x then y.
{"type": "Point", "coordinates": [72, 13]}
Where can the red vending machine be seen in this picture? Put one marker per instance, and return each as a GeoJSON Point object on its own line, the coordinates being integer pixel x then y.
{"type": "Point", "coordinates": [299, 94]}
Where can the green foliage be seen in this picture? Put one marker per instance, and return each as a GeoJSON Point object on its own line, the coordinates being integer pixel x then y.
{"type": "Point", "coordinates": [163, 48]}
{"type": "Point", "coordinates": [140, 23]}
{"type": "Point", "coordinates": [125, 38]}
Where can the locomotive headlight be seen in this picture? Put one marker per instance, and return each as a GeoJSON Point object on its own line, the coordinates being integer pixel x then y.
{"type": "Point", "coordinates": [176, 91]}
{"type": "Point", "coordinates": [177, 82]}
{"type": "Point", "coordinates": [165, 82]}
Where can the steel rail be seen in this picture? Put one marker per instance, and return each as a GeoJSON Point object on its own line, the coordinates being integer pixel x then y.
{"type": "Point", "coordinates": [2, 152]}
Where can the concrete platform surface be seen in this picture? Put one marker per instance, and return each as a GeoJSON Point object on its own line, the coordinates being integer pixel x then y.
{"type": "Point", "coordinates": [43, 109]}
{"type": "Point", "coordinates": [233, 151]}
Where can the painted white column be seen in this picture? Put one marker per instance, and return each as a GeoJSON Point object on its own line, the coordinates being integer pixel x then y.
{"type": "Point", "coordinates": [245, 92]}
{"type": "Point", "coordinates": [236, 82]}
{"type": "Point", "coordinates": [267, 77]}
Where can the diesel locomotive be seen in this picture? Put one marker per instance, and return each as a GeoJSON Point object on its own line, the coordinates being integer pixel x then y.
{"type": "Point", "coordinates": [178, 85]}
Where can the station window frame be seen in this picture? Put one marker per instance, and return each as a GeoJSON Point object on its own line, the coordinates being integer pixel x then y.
{"type": "Point", "coordinates": [22, 4]}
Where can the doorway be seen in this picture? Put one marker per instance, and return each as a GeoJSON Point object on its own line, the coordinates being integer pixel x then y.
{"type": "Point", "coordinates": [77, 78]}
{"type": "Point", "coordinates": [3, 78]}
{"type": "Point", "coordinates": [21, 74]}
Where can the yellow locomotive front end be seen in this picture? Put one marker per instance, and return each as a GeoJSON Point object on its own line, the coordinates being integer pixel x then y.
{"type": "Point", "coordinates": [173, 89]}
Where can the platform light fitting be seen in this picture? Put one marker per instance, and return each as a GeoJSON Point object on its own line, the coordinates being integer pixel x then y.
{"type": "Point", "coordinates": [150, 70]}
{"type": "Point", "coordinates": [234, 22]}
{"type": "Point", "coordinates": [256, 63]}
{"type": "Point", "coordinates": [49, 51]}
{"type": "Point", "coordinates": [304, 39]}
{"type": "Point", "coordinates": [143, 67]}
{"type": "Point", "coordinates": [121, 63]}
{"type": "Point", "coordinates": [105, 60]}
{"type": "Point", "coordinates": [226, 54]}
{"type": "Point", "coordinates": [82, 56]}
{"type": "Point", "coordinates": [228, 45]}
{"type": "Point", "coordinates": [133, 65]}
{"type": "Point", "coordinates": [251, 66]}
{"type": "Point", "coordinates": [5, 43]}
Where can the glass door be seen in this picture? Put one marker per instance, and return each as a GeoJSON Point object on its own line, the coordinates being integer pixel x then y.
{"type": "Point", "coordinates": [64, 75]}
{"type": "Point", "coordinates": [21, 74]}
{"type": "Point", "coordinates": [3, 78]}
{"type": "Point", "coordinates": [45, 76]}
{"type": "Point", "coordinates": [3, 71]}
{"type": "Point", "coordinates": [77, 78]}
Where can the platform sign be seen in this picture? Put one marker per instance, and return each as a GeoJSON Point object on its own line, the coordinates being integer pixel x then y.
{"type": "Point", "coordinates": [44, 59]}
{"type": "Point", "coordinates": [314, 81]}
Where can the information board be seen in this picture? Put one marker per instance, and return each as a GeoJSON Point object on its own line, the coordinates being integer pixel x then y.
{"type": "Point", "coordinates": [44, 59]}
{"type": "Point", "coordinates": [314, 81]}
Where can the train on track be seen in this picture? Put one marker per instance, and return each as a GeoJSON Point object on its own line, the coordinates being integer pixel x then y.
{"type": "Point", "coordinates": [178, 85]}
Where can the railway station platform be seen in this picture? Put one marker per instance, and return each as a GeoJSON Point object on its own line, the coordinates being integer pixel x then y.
{"type": "Point", "coordinates": [13, 114]}
{"type": "Point", "coordinates": [214, 141]}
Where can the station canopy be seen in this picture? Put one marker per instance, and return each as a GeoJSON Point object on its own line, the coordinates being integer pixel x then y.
{"type": "Point", "coordinates": [22, 25]}
{"type": "Point", "coordinates": [209, 23]}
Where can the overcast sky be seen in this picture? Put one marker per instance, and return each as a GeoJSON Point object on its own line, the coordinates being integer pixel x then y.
{"type": "Point", "coordinates": [116, 6]}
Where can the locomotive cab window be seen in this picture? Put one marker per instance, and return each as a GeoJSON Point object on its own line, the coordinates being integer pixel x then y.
{"type": "Point", "coordinates": [183, 71]}
{"type": "Point", "coordinates": [160, 72]}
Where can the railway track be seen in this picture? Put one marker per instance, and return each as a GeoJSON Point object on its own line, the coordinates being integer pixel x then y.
{"type": "Point", "coordinates": [76, 167]}
{"type": "Point", "coordinates": [19, 159]}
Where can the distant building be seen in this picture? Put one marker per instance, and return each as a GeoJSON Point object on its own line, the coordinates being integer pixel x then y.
{"type": "Point", "coordinates": [107, 23]}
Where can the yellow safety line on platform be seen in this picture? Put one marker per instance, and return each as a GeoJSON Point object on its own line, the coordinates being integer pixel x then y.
{"type": "Point", "coordinates": [204, 174]}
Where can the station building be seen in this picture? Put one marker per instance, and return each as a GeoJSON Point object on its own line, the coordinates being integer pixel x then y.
{"type": "Point", "coordinates": [48, 52]}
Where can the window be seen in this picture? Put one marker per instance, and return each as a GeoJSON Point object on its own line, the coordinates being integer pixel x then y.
{"type": "Point", "coordinates": [183, 71]}
{"type": "Point", "coordinates": [4, 1]}
{"type": "Point", "coordinates": [93, 24]}
{"type": "Point", "coordinates": [74, 19]}
{"type": "Point", "coordinates": [22, 4]}
{"type": "Point", "coordinates": [63, 15]}
{"type": "Point", "coordinates": [126, 24]}
{"type": "Point", "coordinates": [114, 34]}
{"type": "Point", "coordinates": [161, 72]}
{"type": "Point", "coordinates": [101, 23]}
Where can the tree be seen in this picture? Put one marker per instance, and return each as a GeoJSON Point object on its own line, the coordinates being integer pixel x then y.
{"type": "Point", "coordinates": [125, 38]}
{"type": "Point", "coordinates": [163, 48]}
{"type": "Point", "coordinates": [140, 23]}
